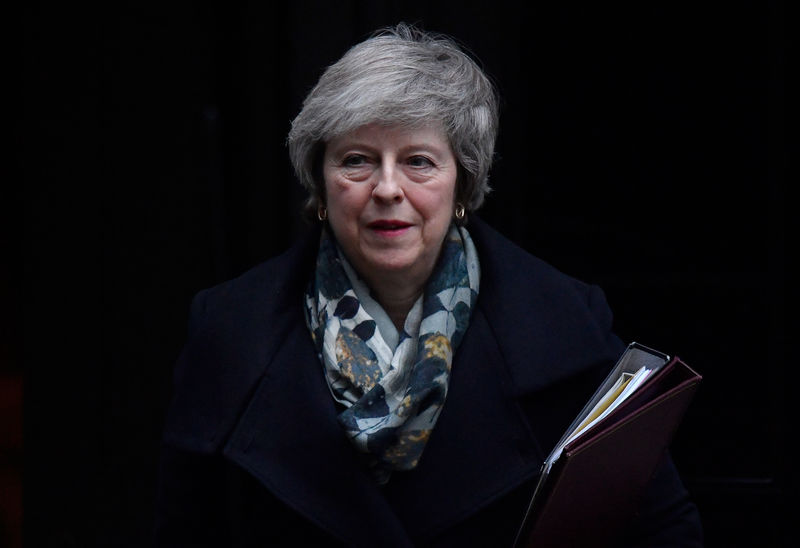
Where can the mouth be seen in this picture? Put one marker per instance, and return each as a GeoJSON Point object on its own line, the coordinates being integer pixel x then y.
{"type": "Point", "coordinates": [388, 226]}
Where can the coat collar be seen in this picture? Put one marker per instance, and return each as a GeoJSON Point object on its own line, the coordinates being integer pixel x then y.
{"type": "Point", "coordinates": [279, 418]}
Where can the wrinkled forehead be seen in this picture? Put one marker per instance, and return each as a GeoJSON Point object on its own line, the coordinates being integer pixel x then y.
{"type": "Point", "coordinates": [392, 128]}
{"type": "Point", "coordinates": [393, 136]}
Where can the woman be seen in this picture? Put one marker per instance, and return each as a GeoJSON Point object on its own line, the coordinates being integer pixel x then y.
{"type": "Point", "coordinates": [397, 378]}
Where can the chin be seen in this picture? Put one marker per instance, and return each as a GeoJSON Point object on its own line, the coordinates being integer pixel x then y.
{"type": "Point", "coordinates": [393, 264]}
{"type": "Point", "coordinates": [389, 266]}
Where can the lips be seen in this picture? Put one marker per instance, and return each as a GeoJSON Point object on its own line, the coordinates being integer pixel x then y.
{"type": "Point", "coordinates": [388, 228]}
{"type": "Point", "coordinates": [388, 225]}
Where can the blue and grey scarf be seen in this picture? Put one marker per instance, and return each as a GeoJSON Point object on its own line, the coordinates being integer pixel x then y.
{"type": "Point", "coordinates": [392, 393]}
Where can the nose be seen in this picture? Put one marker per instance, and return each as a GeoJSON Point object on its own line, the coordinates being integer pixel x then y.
{"type": "Point", "coordinates": [388, 187]}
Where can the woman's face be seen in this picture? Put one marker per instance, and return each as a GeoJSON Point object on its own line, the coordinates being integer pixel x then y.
{"type": "Point", "coordinates": [390, 195]}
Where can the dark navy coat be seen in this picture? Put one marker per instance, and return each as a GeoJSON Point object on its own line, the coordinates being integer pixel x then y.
{"type": "Point", "coordinates": [253, 454]}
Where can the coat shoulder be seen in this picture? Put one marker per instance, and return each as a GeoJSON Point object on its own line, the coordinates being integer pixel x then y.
{"type": "Point", "coordinates": [266, 284]}
{"type": "Point", "coordinates": [234, 330]}
{"type": "Point", "coordinates": [549, 325]}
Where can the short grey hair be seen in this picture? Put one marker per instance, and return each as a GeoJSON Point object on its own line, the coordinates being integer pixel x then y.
{"type": "Point", "coordinates": [401, 76]}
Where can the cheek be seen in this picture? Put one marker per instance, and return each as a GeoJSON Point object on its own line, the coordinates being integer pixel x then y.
{"type": "Point", "coordinates": [437, 205]}
{"type": "Point", "coordinates": [342, 222]}
{"type": "Point", "coordinates": [345, 201]}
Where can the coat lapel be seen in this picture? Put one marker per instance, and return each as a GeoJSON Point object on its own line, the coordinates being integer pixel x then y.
{"type": "Point", "coordinates": [288, 438]}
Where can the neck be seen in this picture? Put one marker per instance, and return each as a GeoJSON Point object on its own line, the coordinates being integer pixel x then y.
{"type": "Point", "coordinates": [397, 297]}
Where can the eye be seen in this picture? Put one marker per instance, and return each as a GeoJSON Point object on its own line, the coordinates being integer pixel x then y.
{"type": "Point", "coordinates": [420, 161]}
{"type": "Point", "coordinates": [354, 160]}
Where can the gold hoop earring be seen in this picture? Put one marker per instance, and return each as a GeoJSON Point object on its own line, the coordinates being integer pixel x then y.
{"type": "Point", "coordinates": [460, 212]}
{"type": "Point", "coordinates": [322, 212]}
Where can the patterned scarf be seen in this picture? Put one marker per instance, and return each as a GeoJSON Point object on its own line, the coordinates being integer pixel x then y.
{"type": "Point", "coordinates": [392, 398]}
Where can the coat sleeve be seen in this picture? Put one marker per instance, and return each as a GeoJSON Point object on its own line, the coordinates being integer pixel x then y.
{"type": "Point", "coordinates": [667, 517]}
{"type": "Point", "coordinates": [190, 493]}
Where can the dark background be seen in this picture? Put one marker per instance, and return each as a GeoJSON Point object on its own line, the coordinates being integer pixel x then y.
{"type": "Point", "coordinates": [641, 148]}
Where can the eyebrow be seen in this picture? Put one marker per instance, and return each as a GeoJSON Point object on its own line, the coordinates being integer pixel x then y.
{"type": "Point", "coordinates": [430, 148]}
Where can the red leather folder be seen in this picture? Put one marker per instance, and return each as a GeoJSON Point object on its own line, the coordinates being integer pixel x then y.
{"type": "Point", "coordinates": [592, 488]}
